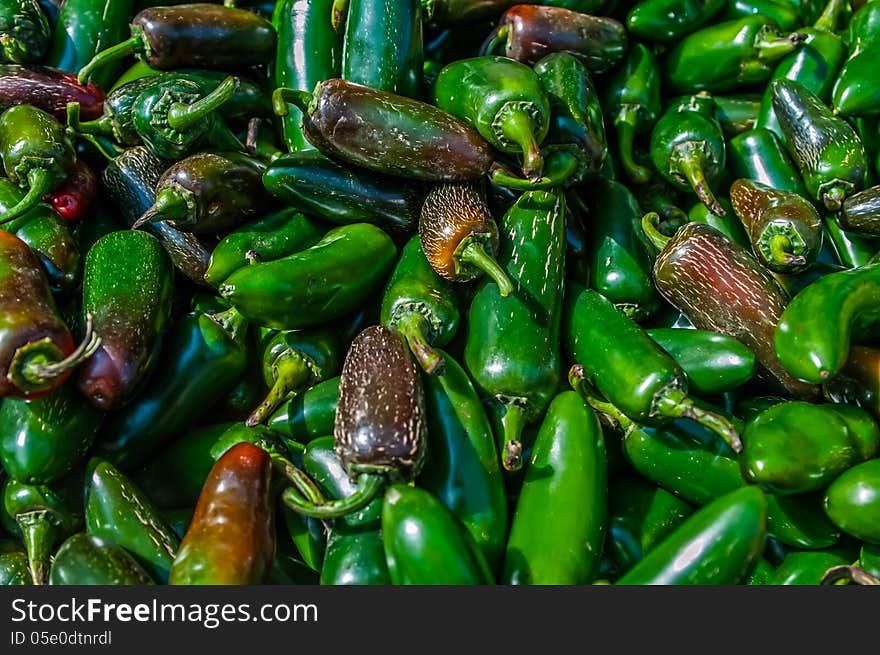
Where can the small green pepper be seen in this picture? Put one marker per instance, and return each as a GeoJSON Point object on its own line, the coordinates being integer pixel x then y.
{"type": "Point", "coordinates": [854, 93]}
{"type": "Point", "coordinates": [85, 559]}
{"type": "Point", "coordinates": [309, 415]}
{"type": "Point", "coordinates": [24, 32]}
{"type": "Point", "coordinates": [759, 155]}
{"type": "Point", "coordinates": [852, 501]}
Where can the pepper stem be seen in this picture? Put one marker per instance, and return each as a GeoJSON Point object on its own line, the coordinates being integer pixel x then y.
{"type": "Point", "coordinates": [38, 534]}
{"type": "Point", "coordinates": [779, 247]}
{"type": "Point", "coordinates": [37, 364]}
{"type": "Point", "coordinates": [517, 126]}
{"type": "Point", "coordinates": [339, 14]}
{"type": "Point", "coordinates": [132, 46]}
{"type": "Point", "coordinates": [846, 572]}
{"type": "Point", "coordinates": [578, 381]}
{"type": "Point", "coordinates": [292, 373]}
{"type": "Point", "coordinates": [650, 226]}
{"type": "Point", "coordinates": [413, 326]}
{"type": "Point", "coordinates": [833, 197]}
{"type": "Point", "coordinates": [305, 489]}
{"type": "Point", "coordinates": [830, 15]}
{"type": "Point", "coordinates": [170, 205]}
{"type": "Point", "coordinates": [182, 116]}
{"type": "Point", "coordinates": [102, 126]}
{"type": "Point", "coordinates": [282, 96]}
{"type": "Point", "coordinates": [689, 164]}
{"type": "Point", "coordinates": [626, 132]}
{"type": "Point", "coordinates": [496, 37]}
{"type": "Point", "coordinates": [512, 423]}
{"type": "Point", "coordinates": [368, 487]}
{"type": "Point", "coordinates": [675, 403]}
{"type": "Point", "coordinates": [232, 321]}
{"type": "Point", "coordinates": [771, 46]}
{"type": "Point", "coordinates": [473, 252]}
{"type": "Point", "coordinates": [559, 167]}
{"type": "Point", "coordinates": [40, 181]}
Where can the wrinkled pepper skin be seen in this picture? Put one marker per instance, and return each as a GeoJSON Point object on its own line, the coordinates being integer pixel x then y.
{"type": "Point", "coordinates": [813, 336]}
{"type": "Point", "coordinates": [666, 21]}
{"type": "Point", "coordinates": [760, 156]}
{"type": "Point", "coordinates": [720, 543]}
{"type": "Point", "coordinates": [425, 544]}
{"type": "Point", "coordinates": [796, 447]}
{"type": "Point", "coordinates": [25, 32]}
{"type": "Point", "coordinates": [127, 289]}
{"type": "Point", "coordinates": [48, 89]}
{"type": "Point", "coordinates": [309, 415]}
{"type": "Point", "coordinates": [231, 539]}
{"type": "Point", "coordinates": [825, 148]}
{"type": "Point", "coordinates": [327, 281]}
{"type": "Point", "coordinates": [116, 510]}
{"type": "Point", "coordinates": [861, 212]}
{"type": "Point", "coordinates": [558, 529]}
{"type": "Point", "coordinates": [852, 502]}
{"type": "Point", "coordinates": [463, 471]}
{"type": "Point", "coordinates": [43, 440]}
{"type": "Point", "coordinates": [85, 559]}
{"type": "Point", "coordinates": [511, 346]}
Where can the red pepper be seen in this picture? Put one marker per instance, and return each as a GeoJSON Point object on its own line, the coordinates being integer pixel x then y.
{"type": "Point", "coordinates": [72, 199]}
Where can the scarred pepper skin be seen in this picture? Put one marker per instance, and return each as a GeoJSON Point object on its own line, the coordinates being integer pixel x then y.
{"type": "Point", "coordinates": [85, 559]}
{"type": "Point", "coordinates": [812, 339]}
{"type": "Point", "coordinates": [558, 528]}
{"type": "Point", "coordinates": [48, 89]}
{"type": "Point", "coordinates": [425, 544]}
{"type": "Point", "coordinates": [231, 539]}
{"type": "Point", "coordinates": [665, 21]}
{"type": "Point", "coordinates": [852, 501]}
{"type": "Point", "coordinates": [759, 155]}
{"type": "Point", "coordinates": [719, 542]}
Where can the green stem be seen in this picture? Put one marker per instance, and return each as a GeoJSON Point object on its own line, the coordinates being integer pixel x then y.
{"type": "Point", "coordinates": [650, 223]}
{"type": "Point", "coordinates": [559, 167]}
{"type": "Point", "coordinates": [833, 197]}
{"type": "Point", "coordinates": [182, 116]}
{"type": "Point", "coordinates": [170, 205]}
{"type": "Point", "coordinates": [282, 96]}
{"type": "Point", "coordinates": [675, 403]}
{"type": "Point", "coordinates": [135, 45]}
{"type": "Point", "coordinates": [830, 15]}
{"type": "Point", "coordinates": [771, 46]}
{"type": "Point", "coordinates": [689, 164]}
{"type": "Point", "coordinates": [846, 572]}
{"type": "Point", "coordinates": [413, 326]}
{"type": "Point", "coordinates": [368, 487]}
{"type": "Point", "coordinates": [38, 534]}
{"type": "Point", "coordinates": [517, 126]}
{"type": "Point", "coordinates": [578, 381]}
{"type": "Point", "coordinates": [233, 323]}
{"type": "Point", "coordinates": [780, 252]}
{"type": "Point", "coordinates": [303, 486]}
{"type": "Point", "coordinates": [473, 252]}
{"type": "Point", "coordinates": [102, 126]}
{"type": "Point", "coordinates": [292, 374]}
{"type": "Point", "coordinates": [339, 13]}
{"type": "Point", "coordinates": [512, 423]}
{"type": "Point", "coordinates": [40, 181]}
{"type": "Point", "coordinates": [626, 132]}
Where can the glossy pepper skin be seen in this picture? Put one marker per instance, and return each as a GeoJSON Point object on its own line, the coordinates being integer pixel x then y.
{"type": "Point", "coordinates": [303, 23]}
{"type": "Point", "coordinates": [48, 89]}
{"type": "Point", "coordinates": [347, 265]}
{"type": "Point", "coordinates": [729, 224]}
{"type": "Point", "coordinates": [343, 194]}
{"type": "Point", "coordinates": [759, 155]}
{"type": "Point", "coordinates": [13, 564]}
{"type": "Point", "coordinates": [825, 148]}
{"type": "Point", "coordinates": [127, 289]}
{"type": "Point", "coordinates": [37, 154]}
{"type": "Point", "coordinates": [559, 525]}
{"type": "Point", "coordinates": [425, 544]}
{"type": "Point", "coordinates": [511, 346]}
{"type": "Point", "coordinates": [74, 197]}
{"type": "Point", "coordinates": [722, 541]}
{"type": "Point", "coordinates": [813, 337]}
{"type": "Point", "coordinates": [276, 235]}
{"type": "Point", "coordinates": [617, 357]}
{"type": "Point", "coordinates": [463, 471]}
{"type": "Point", "coordinates": [860, 212]}
{"type": "Point", "coordinates": [633, 100]}
{"type": "Point", "coordinates": [383, 46]}
{"type": "Point", "coordinates": [45, 439]}
{"type": "Point", "coordinates": [197, 35]}
{"type": "Point", "coordinates": [853, 93]}
{"type": "Point", "coordinates": [503, 100]}
{"type": "Point", "coordinates": [231, 539]}
{"type": "Point", "coordinates": [720, 286]}
{"type": "Point", "coordinates": [201, 361]}
{"type": "Point", "coordinates": [86, 559]}
{"type": "Point", "coordinates": [688, 148]}
{"type": "Point", "coordinates": [116, 510]}
{"type": "Point", "coordinates": [421, 305]}
{"type": "Point", "coordinates": [528, 32]}
{"type": "Point", "coordinates": [784, 227]}
{"type": "Point", "coordinates": [744, 51]}
{"type": "Point", "coordinates": [807, 567]}
{"type": "Point", "coordinates": [25, 32]}
{"type": "Point", "coordinates": [666, 21]}
{"type": "Point", "coordinates": [309, 415]}
{"type": "Point", "coordinates": [852, 501]}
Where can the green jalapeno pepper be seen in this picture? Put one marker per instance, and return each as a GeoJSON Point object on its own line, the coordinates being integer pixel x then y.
{"type": "Point", "coordinates": [807, 567]}
{"type": "Point", "coordinates": [127, 289]}
{"type": "Point", "coordinates": [713, 362]}
{"type": "Point", "coordinates": [559, 525]}
{"type": "Point", "coordinates": [198, 35]}
{"type": "Point", "coordinates": [852, 501]}
{"type": "Point", "coordinates": [425, 544]}
{"type": "Point", "coordinates": [511, 347]}
{"type": "Point", "coordinates": [85, 559]}
{"type": "Point", "coordinates": [13, 564]}
{"type": "Point", "coordinates": [665, 21]}
{"type": "Point", "coordinates": [116, 510]}
{"type": "Point", "coordinates": [717, 544]}
{"type": "Point", "coordinates": [762, 573]}
{"type": "Point", "coordinates": [202, 359]}
{"type": "Point", "coordinates": [421, 305]}
{"type": "Point", "coordinates": [688, 148]}
{"type": "Point", "coordinates": [616, 356]}
{"type": "Point", "coordinates": [729, 224]}
{"type": "Point", "coordinates": [24, 32]}
{"type": "Point", "coordinates": [759, 155]}
{"type": "Point", "coordinates": [785, 16]}
{"type": "Point", "coordinates": [44, 439]}
{"type": "Point", "coordinates": [850, 250]}
{"type": "Point", "coordinates": [853, 93]}
{"type": "Point", "coordinates": [744, 51]}
{"type": "Point", "coordinates": [736, 113]}
{"type": "Point", "coordinates": [825, 148]}
{"type": "Point", "coordinates": [308, 415]}
{"type": "Point", "coordinates": [231, 539]}
{"type": "Point", "coordinates": [860, 212]}
{"type": "Point", "coordinates": [869, 559]}
{"type": "Point", "coordinates": [463, 470]}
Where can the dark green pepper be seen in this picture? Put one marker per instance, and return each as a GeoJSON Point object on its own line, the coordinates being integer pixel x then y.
{"type": "Point", "coordinates": [116, 510]}
{"type": "Point", "coordinates": [310, 414]}
{"type": "Point", "coordinates": [666, 21]}
{"type": "Point", "coordinates": [85, 559]}
{"type": "Point", "coordinates": [759, 155]}
{"type": "Point", "coordinates": [854, 93]}
{"type": "Point", "coordinates": [13, 564]}
{"type": "Point", "coordinates": [736, 113]}
{"type": "Point", "coordinates": [807, 567]}
{"type": "Point", "coordinates": [860, 212]}
{"type": "Point", "coordinates": [24, 32]}
{"type": "Point", "coordinates": [784, 15]}
{"type": "Point", "coordinates": [729, 224]}
{"type": "Point", "coordinates": [852, 501]}
{"type": "Point", "coordinates": [558, 529]}
{"type": "Point", "coordinates": [658, 196]}
{"type": "Point", "coordinates": [420, 305]}
{"type": "Point", "coordinates": [850, 250]}
{"type": "Point", "coordinates": [511, 346]}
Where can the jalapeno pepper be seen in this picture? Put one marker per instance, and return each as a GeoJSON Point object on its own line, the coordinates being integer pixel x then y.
{"type": "Point", "coordinates": [759, 155]}
{"type": "Point", "coordinates": [860, 212]}
{"type": "Point", "coordinates": [736, 113]}
{"type": "Point", "coordinates": [729, 224]}
{"type": "Point", "coordinates": [665, 21]}
{"type": "Point", "coordinates": [308, 415]}
{"type": "Point", "coordinates": [807, 567]}
{"type": "Point", "coordinates": [852, 501]}
{"type": "Point", "coordinates": [511, 347]}
{"type": "Point", "coordinates": [85, 559]}
{"type": "Point", "coordinates": [13, 564]}
{"type": "Point", "coordinates": [48, 89]}
{"type": "Point", "coordinates": [198, 35]}
{"type": "Point", "coordinates": [24, 32]}
{"type": "Point", "coordinates": [858, 382]}
{"type": "Point", "coordinates": [853, 93]}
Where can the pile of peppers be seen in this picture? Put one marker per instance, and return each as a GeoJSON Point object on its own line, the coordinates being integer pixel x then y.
{"type": "Point", "coordinates": [440, 292]}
